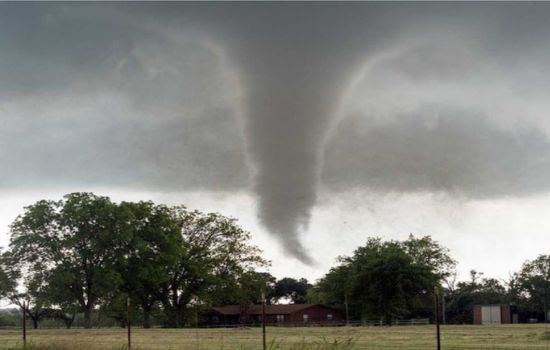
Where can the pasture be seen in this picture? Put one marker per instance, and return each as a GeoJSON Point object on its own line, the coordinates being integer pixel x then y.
{"type": "Point", "coordinates": [509, 337]}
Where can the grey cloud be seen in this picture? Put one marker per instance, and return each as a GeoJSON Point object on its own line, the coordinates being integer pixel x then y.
{"type": "Point", "coordinates": [142, 101]}
{"type": "Point", "coordinates": [205, 152]}
{"type": "Point", "coordinates": [438, 148]}
{"type": "Point", "coordinates": [49, 48]}
{"type": "Point", "coordinates": [90, 96]}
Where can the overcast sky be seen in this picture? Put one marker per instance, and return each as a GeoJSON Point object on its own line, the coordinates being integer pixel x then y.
{"type": "Point", "coordinates": [317, 125]}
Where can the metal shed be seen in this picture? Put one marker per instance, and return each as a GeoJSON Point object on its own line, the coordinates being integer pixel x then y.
{"type": "Point", "coordinates": [493, 314]}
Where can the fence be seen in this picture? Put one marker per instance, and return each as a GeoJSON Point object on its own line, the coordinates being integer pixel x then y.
{"type": "Point", "coordinates": [247, 337]}
{"type": "Point", "coordinates": [413, 334]}
{"type": "Point", "coordinates": [319, 335]}
{"type": "Point", "coordinates": [411, 322]}
{"type": "Point", "coordinates": [226, 337]}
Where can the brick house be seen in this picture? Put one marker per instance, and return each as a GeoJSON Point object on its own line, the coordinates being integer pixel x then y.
{"type": "Point", "coordinates": [288, 314]}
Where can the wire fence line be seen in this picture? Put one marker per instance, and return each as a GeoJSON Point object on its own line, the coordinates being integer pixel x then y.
{"type": "Point", "coordinates": [413, 334]}
{"type": "Point", "coordinates": [410, 336]}
{"type": "Point", "coordinates": [229, 336]}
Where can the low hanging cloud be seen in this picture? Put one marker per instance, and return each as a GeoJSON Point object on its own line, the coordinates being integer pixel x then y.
{"type": "Point", "coordinates": [438, 149]}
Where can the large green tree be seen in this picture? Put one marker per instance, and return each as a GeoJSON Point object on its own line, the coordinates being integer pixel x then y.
{"type": "Point", "coordinates": [31, 298]}
{"type": "Point", "coordinates": [533, 287]}
{"type": "Point", "coordinates": [33, 295]}
{"type": "Point", "coordinates": [87, 251]}
{"type": "Point", "coordinates": [8, 281]}
{"type": "Point", "coordinates": [245, 289]}
{"type": "Point", "coordinates": [334, 289]}
{"type": "Point", "coordinates": [427, 252]}
{"type": "Point", "coordinates": [152, 252]}
{"type": "Point", "coordinates": [386, 279]}
{"type": "Point", "coordinates": [295, 290]}
{"type": "Point", "coordinates": [461, 298]}
{"type": "Point", "coordinates": [75, 243]}
{"type": "Point", "coordinates": [215, 252]}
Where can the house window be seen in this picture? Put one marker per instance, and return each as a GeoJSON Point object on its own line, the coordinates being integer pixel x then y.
{"type": "Point", "coordinates": [306, 318]}
{"type": "Point", "coordinates": [329, 317]}
{"type": "Point", "coordinates": [280, 318]}
{"type": "Point", "coordinates": [215, 318]}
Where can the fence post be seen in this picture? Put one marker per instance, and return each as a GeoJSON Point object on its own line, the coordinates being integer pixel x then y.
{"type": "Point", "coordinates": [347, 310]}
{"type": "Point", "coordinates": [437, 330]}
{"type": "Point", "coordinates": [129, 323]}
{"type": "Point", "coordinates": [443, 311]}
{"type": "Point", "coordinates": [263, 322]}
{"type": "Point", "coordinates": [24, 324]}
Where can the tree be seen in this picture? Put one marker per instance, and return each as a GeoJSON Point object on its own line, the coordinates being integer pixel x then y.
{"type": "Point", "coordinates": [75, 242]}
{"type": "Point", "coordinates": [425, 251]}
{"type": "Point", "coordinates": [215, 252]}
{"type": "Point", "coordinates": [32, 299]}
{"type": "Point", "coordinates": [88, 251]}
{"type": "Point", "coordinates": [533, 282]}
{"type": "Point", "coordinates": [386, 280]}
{"type": "Point", "coordinates": [478, 290]}
{"type": "Point", "coordinates": [152, 252]}
{"type": "Point", "coordinates": [334, 288]}
{"type": "Point", "coordinates": [292, 289]}
{"type": "Point", "coordinates": [244, 289]}
{"type": "Point", "coordinates": [8, 281]}
{"type": "Point", "coordinates": [66, 315]}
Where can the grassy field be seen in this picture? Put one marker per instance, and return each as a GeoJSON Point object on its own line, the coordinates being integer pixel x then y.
{"type": "Point", "coordinates": [510, 337]}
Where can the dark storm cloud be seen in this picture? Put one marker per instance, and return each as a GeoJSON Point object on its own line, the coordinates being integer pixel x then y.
{"type": "Point", "coordinates": [462, 112]}
{"type": "Point", "coordinates": [455, 151]}
{"type": "Point", "coordinates": [143, 95]}
{"type": "Point", "coordinates": [91, 96]}
{"type": "Point", "coordinates": [167, 154]}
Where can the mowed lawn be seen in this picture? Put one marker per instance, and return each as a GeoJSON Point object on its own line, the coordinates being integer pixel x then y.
{"type": "Point", "coordinates": [512, 337]}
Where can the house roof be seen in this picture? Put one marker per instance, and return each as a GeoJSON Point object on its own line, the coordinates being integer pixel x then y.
{"type": "Point", "coordinates": [276, 309]}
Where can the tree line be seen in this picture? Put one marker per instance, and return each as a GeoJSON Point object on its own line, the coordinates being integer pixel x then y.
{"type": "Point", "coordinates": [388, 280]}
{"type": "Point", "coordinates": [85, 254]}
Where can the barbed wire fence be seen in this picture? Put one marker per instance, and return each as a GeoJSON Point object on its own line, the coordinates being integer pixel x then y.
{"type": "Point", "coordinates": [339, 335]}
{"type": "Point", "coordinates": [361, 336]}
{"type": "Point", "coordinates": [242, 336]}
{"type": "Point", "coordinates": [228, 336]}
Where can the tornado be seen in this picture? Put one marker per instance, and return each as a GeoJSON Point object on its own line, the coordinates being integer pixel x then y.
{"type": "Point", "coordinates": [293, 61]}
{"type": "Point", "coordinates": [287, 115]}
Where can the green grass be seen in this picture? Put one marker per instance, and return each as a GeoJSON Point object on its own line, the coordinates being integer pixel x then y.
{"type": "Point", "coordinates": [503, 337]}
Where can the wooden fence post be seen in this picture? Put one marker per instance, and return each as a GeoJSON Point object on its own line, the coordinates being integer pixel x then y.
{"type": "Point", "coordinates": [24, 324]}
{"type": "Point", "coordinates": [263, 322]}
{"type": "Point", "coordinates": [129, 323]}
{"type": "Point", "coordinates": [437, 311]}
